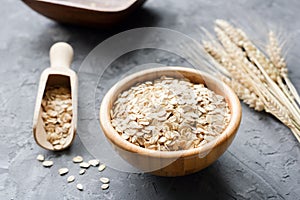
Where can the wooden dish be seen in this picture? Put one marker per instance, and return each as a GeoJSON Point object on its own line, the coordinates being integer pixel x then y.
{"type": "Point", "coordinates": [59, 74]}
{"type": "Point", "coordinates": [175, 163]}
{"type": "Point", "coordinates": [85, 12]}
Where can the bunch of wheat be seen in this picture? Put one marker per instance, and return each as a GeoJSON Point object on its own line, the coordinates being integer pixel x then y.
{"type": "Point", "coordinates": [259, 79]}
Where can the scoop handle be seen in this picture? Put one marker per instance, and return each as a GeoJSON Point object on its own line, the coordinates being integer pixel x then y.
{"type": "Point", "coordinates": [61, 55]}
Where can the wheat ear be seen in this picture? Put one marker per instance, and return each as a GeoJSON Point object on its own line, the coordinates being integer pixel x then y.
{"type": "Point", "coordinates": [259, 81]}
{"type": "Point", "coordinates": [274, 52]}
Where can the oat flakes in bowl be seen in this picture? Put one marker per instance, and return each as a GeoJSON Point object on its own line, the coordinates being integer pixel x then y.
{"type": "Point", "coordinates": [169, 114]}
{"type": "Point", "coordinates": [174, 148]}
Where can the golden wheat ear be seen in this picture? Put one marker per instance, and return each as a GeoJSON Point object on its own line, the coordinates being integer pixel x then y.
{"type": "Point", "coordinates": [260, 79]}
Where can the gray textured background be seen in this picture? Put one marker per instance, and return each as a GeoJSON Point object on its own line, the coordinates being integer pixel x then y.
{"type": "Point", "coordinates": [262, 163]}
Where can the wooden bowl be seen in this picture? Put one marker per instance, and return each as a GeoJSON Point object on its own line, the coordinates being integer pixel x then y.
{"type": "Point", "coordinates": [172, 163]}
{"type": "Point", "coordinates": [85, 12]}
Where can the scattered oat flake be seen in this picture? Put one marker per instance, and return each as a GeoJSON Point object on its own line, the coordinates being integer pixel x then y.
{"type": "Point", "coordinates": [94, 162]}
{"type": "Point", "coordinates": [84, 165]}
{"type": "Point", "coordinates": [71, 179]}
{"type": "Point", "coordinates": [105, 186]}
{"type": "Point", "coordinates": [40, 158]}
{"type": "Point", "coordinates": [104, 180]}
{"type": "Point", "coordinates": [63, 171]}
{"type": "Point", "coordinates": [47, 163]}
{"type": "Point", "coordinates": [79, 186]}
{"type": "Point", "coordinates": [77, 159]}
{"type": "Point", "coordinates": [101, 167]}
{"type": "Point", "coordinates": [82, 171]}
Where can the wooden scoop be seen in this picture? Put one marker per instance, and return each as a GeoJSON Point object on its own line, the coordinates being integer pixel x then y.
{"type": "Point", "coordinates": [59, 74]}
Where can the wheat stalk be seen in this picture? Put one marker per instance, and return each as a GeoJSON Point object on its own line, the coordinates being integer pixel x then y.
{"type": "Point", "coordinates": [274, 52]}
{"type": "Point", "coordinates": [260, 80]}
{"type": "Point", "coordinates": [242, 87]}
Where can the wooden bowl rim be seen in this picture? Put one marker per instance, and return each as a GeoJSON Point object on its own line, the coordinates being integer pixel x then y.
{"type": "Point", "coordinates": [116, 139]}
{"type": "Point", "coordinates": [83, 7]}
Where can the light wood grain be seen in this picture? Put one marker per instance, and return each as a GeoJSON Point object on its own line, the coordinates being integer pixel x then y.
{"type": "Point", "coordinates": [86, 12]}
{"type": "Point", "coordinates": [176, 163]}
{"type": "Point", "coordinates": [59, 74]}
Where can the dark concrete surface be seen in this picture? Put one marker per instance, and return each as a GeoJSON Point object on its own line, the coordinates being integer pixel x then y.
{"type": "Point", "coordinates": [262, 163]}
